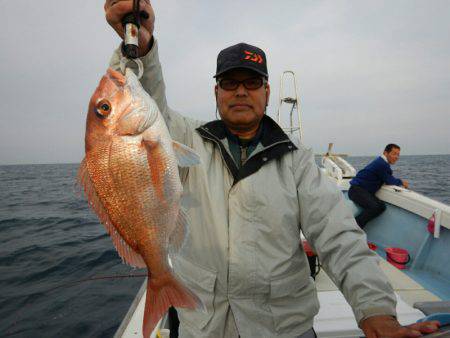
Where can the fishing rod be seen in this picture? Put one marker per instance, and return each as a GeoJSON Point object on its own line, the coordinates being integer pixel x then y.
{"type": "Point", "coordinates": [94, 278]}
{"type": "Point", "coordinates": [131, 23]}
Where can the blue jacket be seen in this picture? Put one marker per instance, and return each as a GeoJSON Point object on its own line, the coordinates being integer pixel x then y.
{"type": "Point", "coordinates": [372, 177]}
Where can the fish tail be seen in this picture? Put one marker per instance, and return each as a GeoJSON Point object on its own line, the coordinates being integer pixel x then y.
{"type": "Point", "coordinates": [163, 293]}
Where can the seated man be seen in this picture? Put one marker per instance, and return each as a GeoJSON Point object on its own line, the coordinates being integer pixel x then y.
{"type": "Point", "coordinates": [368, 180]}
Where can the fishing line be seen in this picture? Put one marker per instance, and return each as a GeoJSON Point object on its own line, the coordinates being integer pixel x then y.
{"type": "Point", "coordinates": [97, 278]}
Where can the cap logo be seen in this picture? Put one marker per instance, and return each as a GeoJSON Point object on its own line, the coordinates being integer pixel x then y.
{"type": "Point", "coordinates": [253, 57]}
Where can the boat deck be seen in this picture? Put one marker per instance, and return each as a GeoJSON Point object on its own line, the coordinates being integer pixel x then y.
{"type": "Point", "coordinates": [336, 313]}
{"type": "Point", "coordinates": [408, 289]}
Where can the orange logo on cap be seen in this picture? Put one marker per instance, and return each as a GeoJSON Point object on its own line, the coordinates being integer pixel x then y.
{"type": "Point", "coordinates": [253, 57]}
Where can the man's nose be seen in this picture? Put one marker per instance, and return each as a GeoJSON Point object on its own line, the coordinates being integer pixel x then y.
{"type": "Point", "coordinates": [241, 90]}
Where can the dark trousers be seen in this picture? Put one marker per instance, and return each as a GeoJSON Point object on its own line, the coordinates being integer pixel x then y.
{"type": "Point", "coordinates": [372, 206]}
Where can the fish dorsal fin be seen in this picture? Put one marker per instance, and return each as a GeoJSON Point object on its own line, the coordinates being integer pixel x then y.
{"type": "Point", "coordinates": [186, 156]}
{"type": "Point", "coordinates": [127, 254]}
{"type": "Point", "coordinates": [179, 233]}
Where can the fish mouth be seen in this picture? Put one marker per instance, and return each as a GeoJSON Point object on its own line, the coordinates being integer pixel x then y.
{"type": "Point", "coordinates": [132, 80]}
{"type": "Point", "coordinates": [117, 77]}
{"type": "Point", "coordinates": [139, 115]}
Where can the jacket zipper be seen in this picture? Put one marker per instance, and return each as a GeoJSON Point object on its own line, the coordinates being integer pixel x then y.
{"type": "Point", "coordinates": [217, 142]}
{"type": "Point", "coordinates": [268, 147]}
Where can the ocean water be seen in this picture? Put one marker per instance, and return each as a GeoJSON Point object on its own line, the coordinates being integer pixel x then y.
{"type": "Point", "coordinates": [49, 239]}
{"type": "Point", "coordinates": [51, 244]}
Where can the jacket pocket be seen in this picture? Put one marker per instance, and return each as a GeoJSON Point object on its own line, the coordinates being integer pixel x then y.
{"type": "Point", "coordinates": [293, 301]}
{"type": "Point", "coordinates": [201, 282]}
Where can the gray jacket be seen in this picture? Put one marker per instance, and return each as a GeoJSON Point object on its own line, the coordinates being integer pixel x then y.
{"type": "Point", "coordinates": [242, 255]}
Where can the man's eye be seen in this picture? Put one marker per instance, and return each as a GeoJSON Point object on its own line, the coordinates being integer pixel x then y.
{"type": "Point", "coordinates": [229, 82]}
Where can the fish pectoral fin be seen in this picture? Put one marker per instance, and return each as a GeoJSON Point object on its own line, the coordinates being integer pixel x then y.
{"type": "Point", "coordinates": [186, 156]}
{"type": "Point", "coordinates": [130, 256]}
{"type": "Point", "coordinates": [150, 145]}
{"type": "Point", "coordinates": [179, 233]}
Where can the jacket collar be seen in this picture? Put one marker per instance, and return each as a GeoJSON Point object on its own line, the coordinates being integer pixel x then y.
{"type": "Point", "coordinates": [271, 132]}
{"type": "Point", "coordinates": [275, 145]}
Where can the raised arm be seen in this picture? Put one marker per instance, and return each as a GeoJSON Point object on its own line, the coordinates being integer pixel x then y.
{"type": "Point", "coordinates": [180, 127]}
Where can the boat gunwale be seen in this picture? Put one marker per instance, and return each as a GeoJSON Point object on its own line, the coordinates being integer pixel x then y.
{"type": "Point", "coordinates": [131, 310]}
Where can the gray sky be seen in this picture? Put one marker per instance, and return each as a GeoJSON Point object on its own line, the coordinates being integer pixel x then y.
{"type": "Point", "coordinates": [369, 72]}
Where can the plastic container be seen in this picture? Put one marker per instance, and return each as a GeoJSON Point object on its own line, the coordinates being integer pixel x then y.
{"type": "Point", "coordinates": [398, 257]}
{"type": "Point", "coordinates": [372, 246]}
{"type": "Point", "coordinates": [430, 225]}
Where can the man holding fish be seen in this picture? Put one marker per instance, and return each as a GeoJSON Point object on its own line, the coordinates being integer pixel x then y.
{"type": "Point", "coordinates": [253, 192]}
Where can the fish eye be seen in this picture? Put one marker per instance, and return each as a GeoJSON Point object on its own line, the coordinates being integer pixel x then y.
{"type": "Point", "coordinates": [103, 109]}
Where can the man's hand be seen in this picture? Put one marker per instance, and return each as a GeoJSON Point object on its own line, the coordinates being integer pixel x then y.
{"type": "Point", "coordinates": [389, 327]}
{"type": "Point", "coordinates": [115, 10]}
{"type": "Point", "coordinates": [405, 183]}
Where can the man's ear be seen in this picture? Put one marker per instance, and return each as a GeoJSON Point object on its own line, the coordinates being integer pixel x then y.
{"type": "Point", "coordinates": [267, 94]}
{"type": "Point", "coordinates": [216, 89]}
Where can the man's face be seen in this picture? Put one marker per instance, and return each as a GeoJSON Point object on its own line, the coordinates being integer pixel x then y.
{"type": "Point", "coordinates": [393, 155]}
{"type": "Point", "coordinates": [242, 109]}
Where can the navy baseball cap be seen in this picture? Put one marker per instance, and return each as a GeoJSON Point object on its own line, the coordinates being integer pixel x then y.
{"type": "Point", "coordinates": [242, 55]}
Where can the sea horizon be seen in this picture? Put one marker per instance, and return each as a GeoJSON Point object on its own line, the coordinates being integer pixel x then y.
{"type": "Point", "coordinates": [318, 154]}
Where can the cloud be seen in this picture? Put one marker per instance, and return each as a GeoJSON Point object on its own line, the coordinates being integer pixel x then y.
{"type": "Point", "coordinates": [369, 72]}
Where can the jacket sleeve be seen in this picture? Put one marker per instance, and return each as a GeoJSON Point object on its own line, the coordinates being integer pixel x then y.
{"type": "Point", "coordinates": [180, 127]}
{"type": "Point", "coordinates": [386, 176]}
{"type": "Point", "coordinates": [329, 226]}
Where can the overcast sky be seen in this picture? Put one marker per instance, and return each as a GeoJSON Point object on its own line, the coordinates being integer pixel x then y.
{"type": "Point", "coordinates": [369, 72]}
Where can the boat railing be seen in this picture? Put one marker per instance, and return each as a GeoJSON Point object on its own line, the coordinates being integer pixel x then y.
{"type": "Point", "coordinates": [292, 102]}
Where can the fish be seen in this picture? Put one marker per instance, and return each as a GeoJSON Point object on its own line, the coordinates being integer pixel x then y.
{"type": "Point", "coordinates": [131, 180]}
